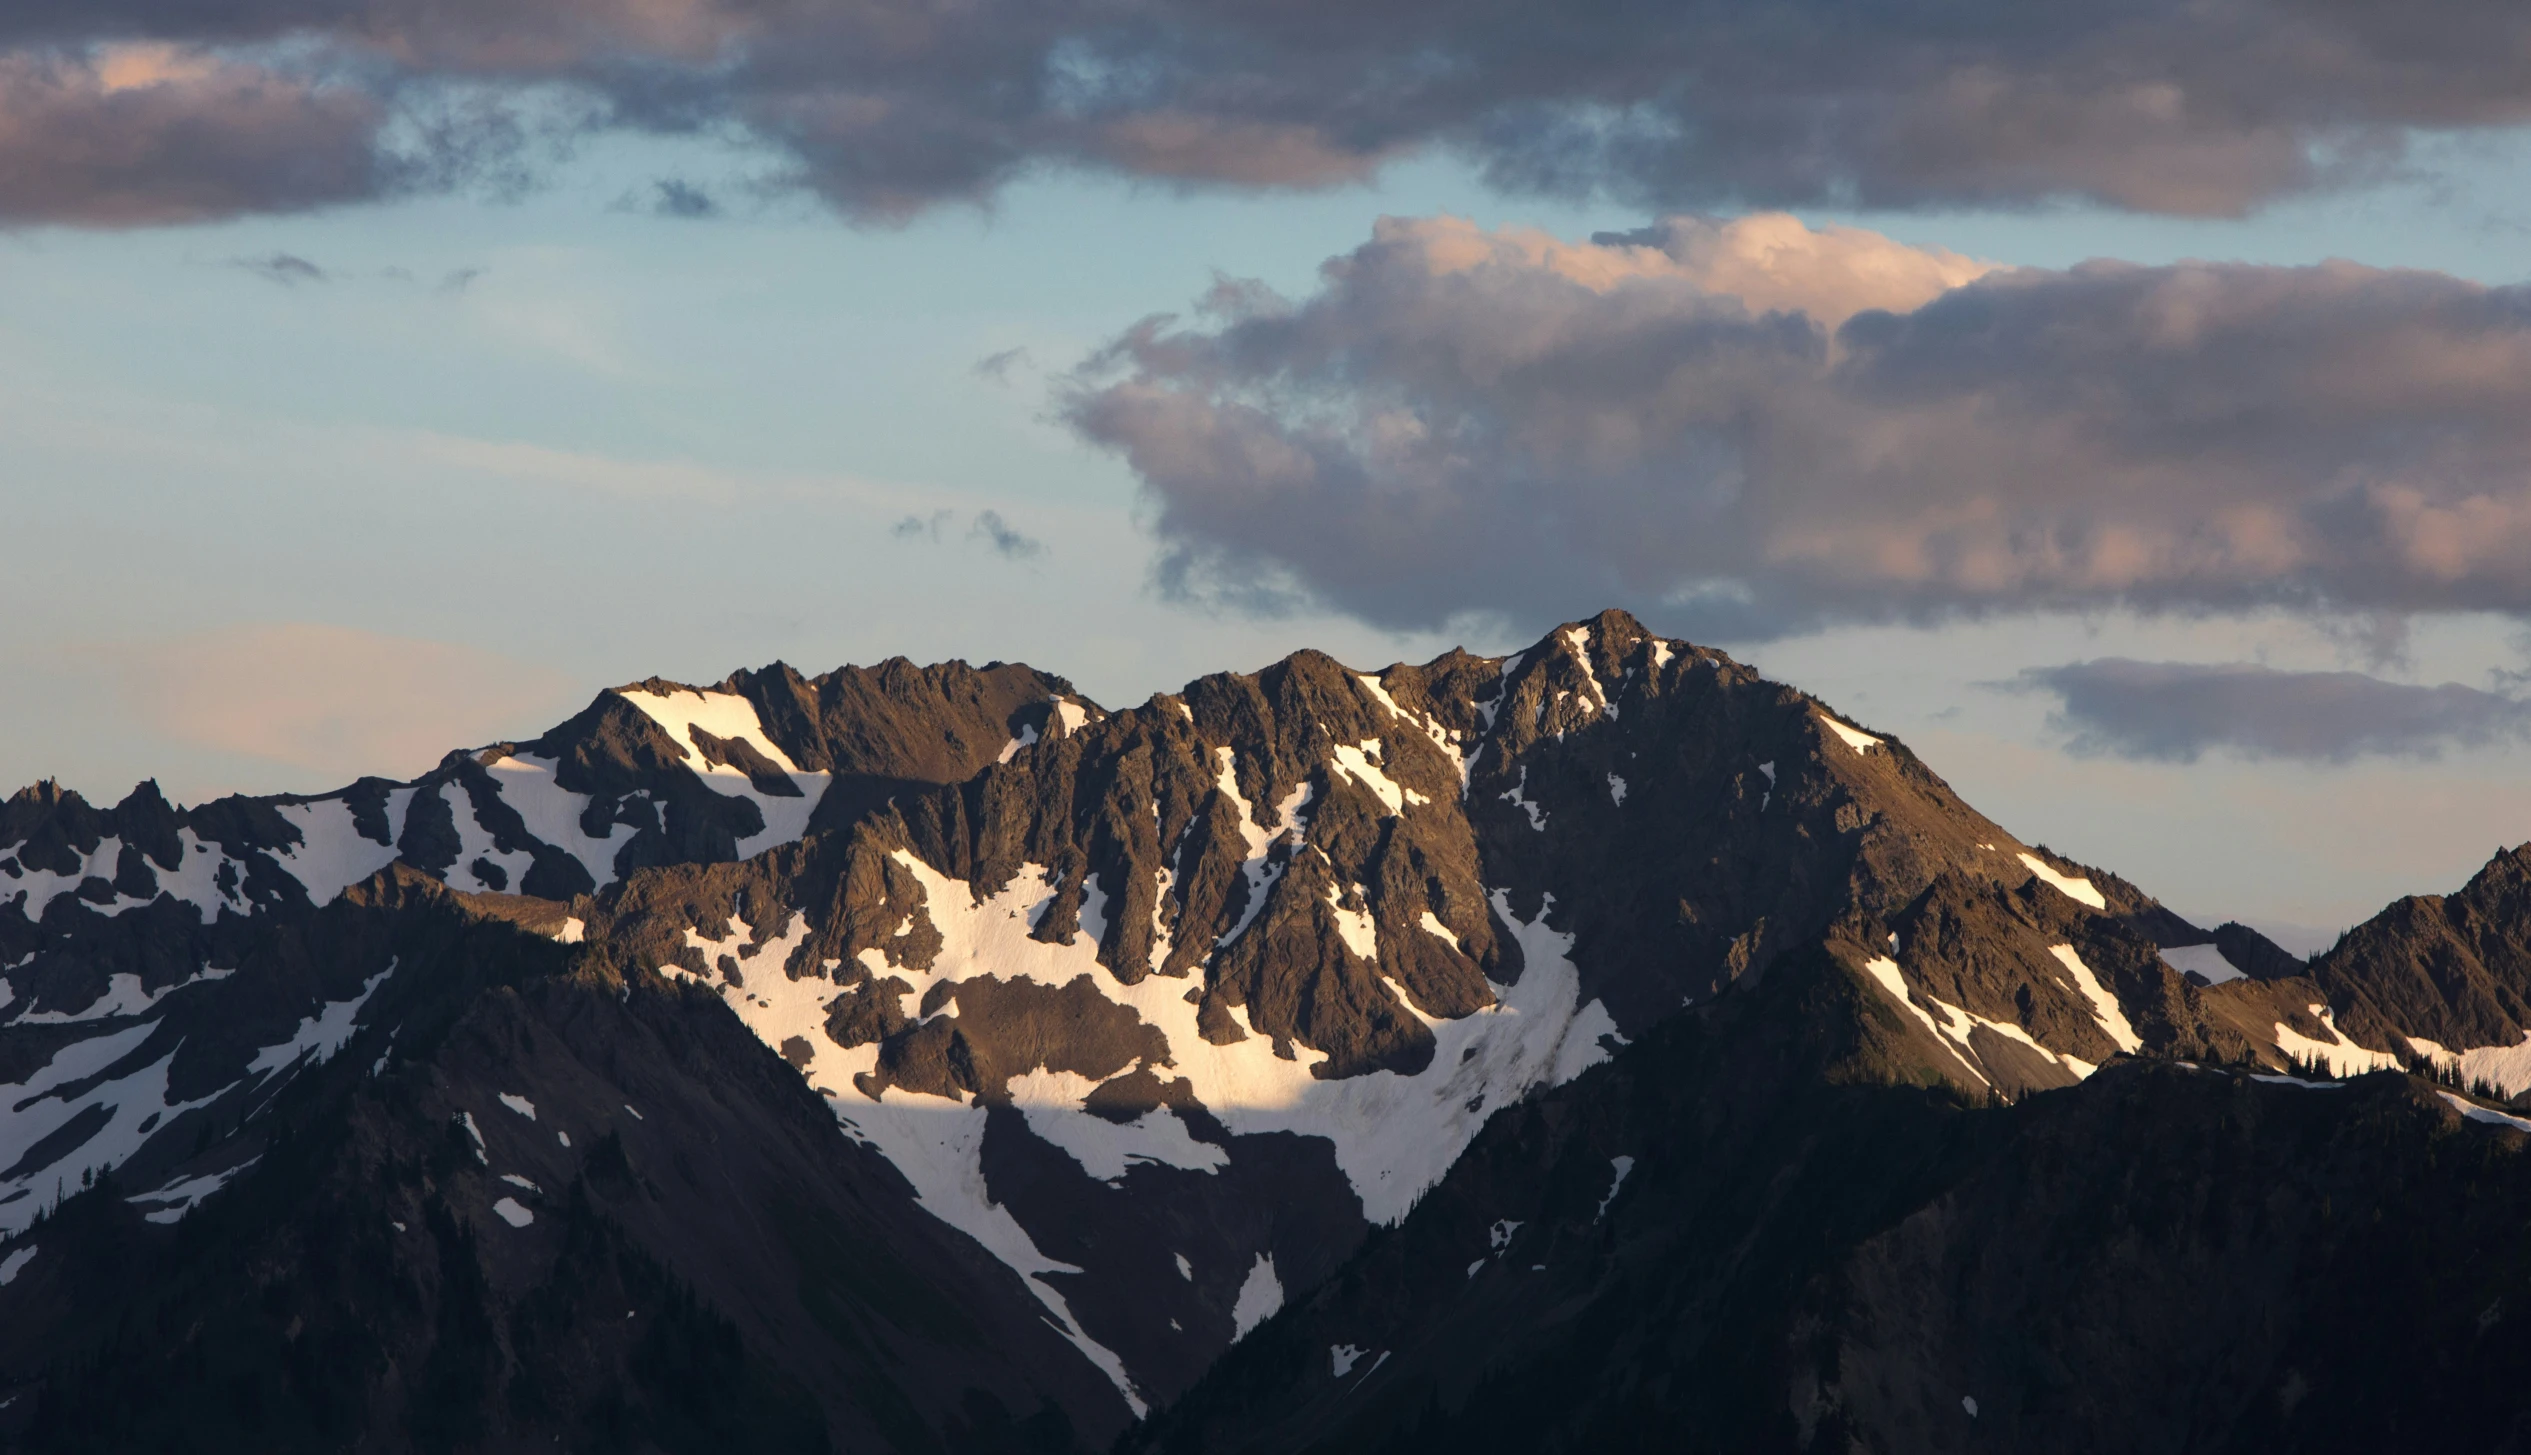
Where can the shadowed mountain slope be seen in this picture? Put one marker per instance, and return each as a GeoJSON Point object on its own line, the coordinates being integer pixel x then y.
{"type": "Point", "coordinates": [942, 1061]}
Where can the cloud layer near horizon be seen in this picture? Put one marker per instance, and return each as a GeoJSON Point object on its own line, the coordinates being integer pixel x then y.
{"type": "Point", "coordinates": [1775, 429]}
{"type": "Point", "coordinates": [2179, 711]}
{"type": "Point", "coordinates": [886, 106]}
{"type": "Point", "coordinates": [336, 700]}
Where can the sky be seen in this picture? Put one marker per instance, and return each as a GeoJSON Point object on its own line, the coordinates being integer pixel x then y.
{"type": "Point", "coordinates": [2130, 411]}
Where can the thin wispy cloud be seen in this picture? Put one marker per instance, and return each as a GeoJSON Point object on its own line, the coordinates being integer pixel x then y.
{"type": "Point", "coordinates": [287, 269]}
{"type": "Point", "coordinates": [985, 526]}
{"type": "Point", "coordinates": [2180, 711]}
{"type": "Point", "coordinates": [998, 366]}
{"type": "Point", "coordinates": [331, 700]}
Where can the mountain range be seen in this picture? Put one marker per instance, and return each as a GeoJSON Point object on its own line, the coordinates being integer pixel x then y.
{"type": "Point", "coordinates": [1599, 1047]}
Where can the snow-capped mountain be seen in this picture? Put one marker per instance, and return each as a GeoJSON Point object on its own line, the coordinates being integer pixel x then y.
{"type": "Point", "coordinates": [940, 1060]}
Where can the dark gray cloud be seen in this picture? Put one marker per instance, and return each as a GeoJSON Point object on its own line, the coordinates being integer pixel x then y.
{"type": "Point", "coordinates": [2178, 711]}
{"type": "Point", "coordinates": [888, 106]}
{"type": "Point", "coordinates": [1761, 429]}
{"type": "Point", "coordinates": [287, 269]}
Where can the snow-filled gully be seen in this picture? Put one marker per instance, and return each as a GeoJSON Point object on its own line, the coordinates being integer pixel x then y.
{"type": "Point", "coordinates": [1393, 1135]}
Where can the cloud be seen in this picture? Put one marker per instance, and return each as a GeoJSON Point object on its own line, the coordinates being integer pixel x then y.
{"type": "Point", "coordinates": [999, 533]}
{"type": "Point", "coordinates": [334, 701]}
{"type": "Point", "coordinates": [987, 526]}
{"type": "Point", "coordinates": [140, 135]}
{"type": "Point", "coordinates": [2178, 711]}
{"type": "Point", "coordinates": [997, 366]}
{"type": "Point", "coordinates": [2161, 105]}
{"type": "Point", "coordinates": [287, 269]}
{"type": "Point", "coordinates": [919, 527]}
{"type": "Point", "coordinates": [1766, 429]}
{"type": "Point", "coordinates": [677, 197]}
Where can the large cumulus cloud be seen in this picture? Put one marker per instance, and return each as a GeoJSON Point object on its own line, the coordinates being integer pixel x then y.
{"type": "Point", "coordinates": [1773, 428]}
{"type": "Point", "coordinates": [885, 106]}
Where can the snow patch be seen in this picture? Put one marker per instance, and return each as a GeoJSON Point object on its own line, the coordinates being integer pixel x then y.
{"type": "Point", "coordinates": [519, 1104]}
{"type": "Point", "coordinates": [1884, 972]}
{"type": "Point", "coordinates": [1855, 738]}
{"type": "Point", "coordinates": [1514, 797]}
{"type": "Point", "coordinates": [1432, 925]}
{"type": "Point", "coordinates": [2104, 1005]}
{"type": "Point", "coordinates": [1260, 1295]}
{"type": "Point", "coordinates": [2507, 1068]}
{"type": "Point", "coordinates": [1027, 739]}
{"type": "Point", "coordinates": [181, 1197]}
{"type": "Point", "coordinates": [1355, 760]}
{"type": "Point", "coordinates": [510, 1211]}
{"type": "Point", "coordinates": [728, 716]}
{"type": "Point", "coordinates": [1052, 1101]}
{"type": "Point", "coordinates": [1499, 1236]}
{"type": "Point", "coordinates": [1186, 1270]}
{"type": "Point", "coordinates": [1958, 1023]}
{"type": "Point", "coordinates": [15, 1264]}
{"type": "Point", "coordinates": [552, 813]}
{"type": "Point", "coordinates": [322, 1034]}
{"type": "Point", "coordinates": [135, 1105]}
{"type": "Point", "coordinates": [1258, 867]}
{"type": "Point", "coordinates": [1344, 1357]}
{"type": "Point", "coordinates": [2342, 1056]}
{"type": "Point", "coordinates": [1353, 926]}
{"type": "Point", "coordinates": [1580, 641]}
{"type": "Point", "coordinates": [123, 996]}
{"type": "Point", "coordinates": [1393, 1135]}
{"type": "Point", "coordinates": [193, 881]}
{"type": "Point", "coordinates": [333, 854]}
{"type": "Point", "coordinates": [1616, 789]}
{"type": "Point", "coordinates": [2489, 1115]}
{"type": "Point", "coordinates": [2078, 890]}
{"type": "Point", "coordinates": [475, 842]}
{"type": "Point", "coordinates": [1622, 1166]}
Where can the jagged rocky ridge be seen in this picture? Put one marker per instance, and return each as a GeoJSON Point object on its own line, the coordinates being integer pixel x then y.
{"type": "Point", "coordinates": [1106, 1028]}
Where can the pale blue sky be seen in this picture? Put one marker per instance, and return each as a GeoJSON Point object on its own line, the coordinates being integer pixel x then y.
{"type": "Point", "coordinates": [544, 445]}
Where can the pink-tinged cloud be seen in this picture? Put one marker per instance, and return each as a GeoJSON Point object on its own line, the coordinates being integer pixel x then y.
{"type": "Point", "coordinates": [334, 702]}
{"type": "Point", "coordinates": [1771, 428]}
{"type": "Point", "coordinates": [885, 107]}
{"type": "Point", "coordinates": [152, 134]}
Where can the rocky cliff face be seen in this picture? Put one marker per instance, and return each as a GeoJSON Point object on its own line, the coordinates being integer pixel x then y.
{"type": "Point", "coordinates": [948, 1062]}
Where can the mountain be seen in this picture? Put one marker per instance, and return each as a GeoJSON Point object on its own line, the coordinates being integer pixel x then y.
{"type": "Point", "coordinates": [932, 1059]}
